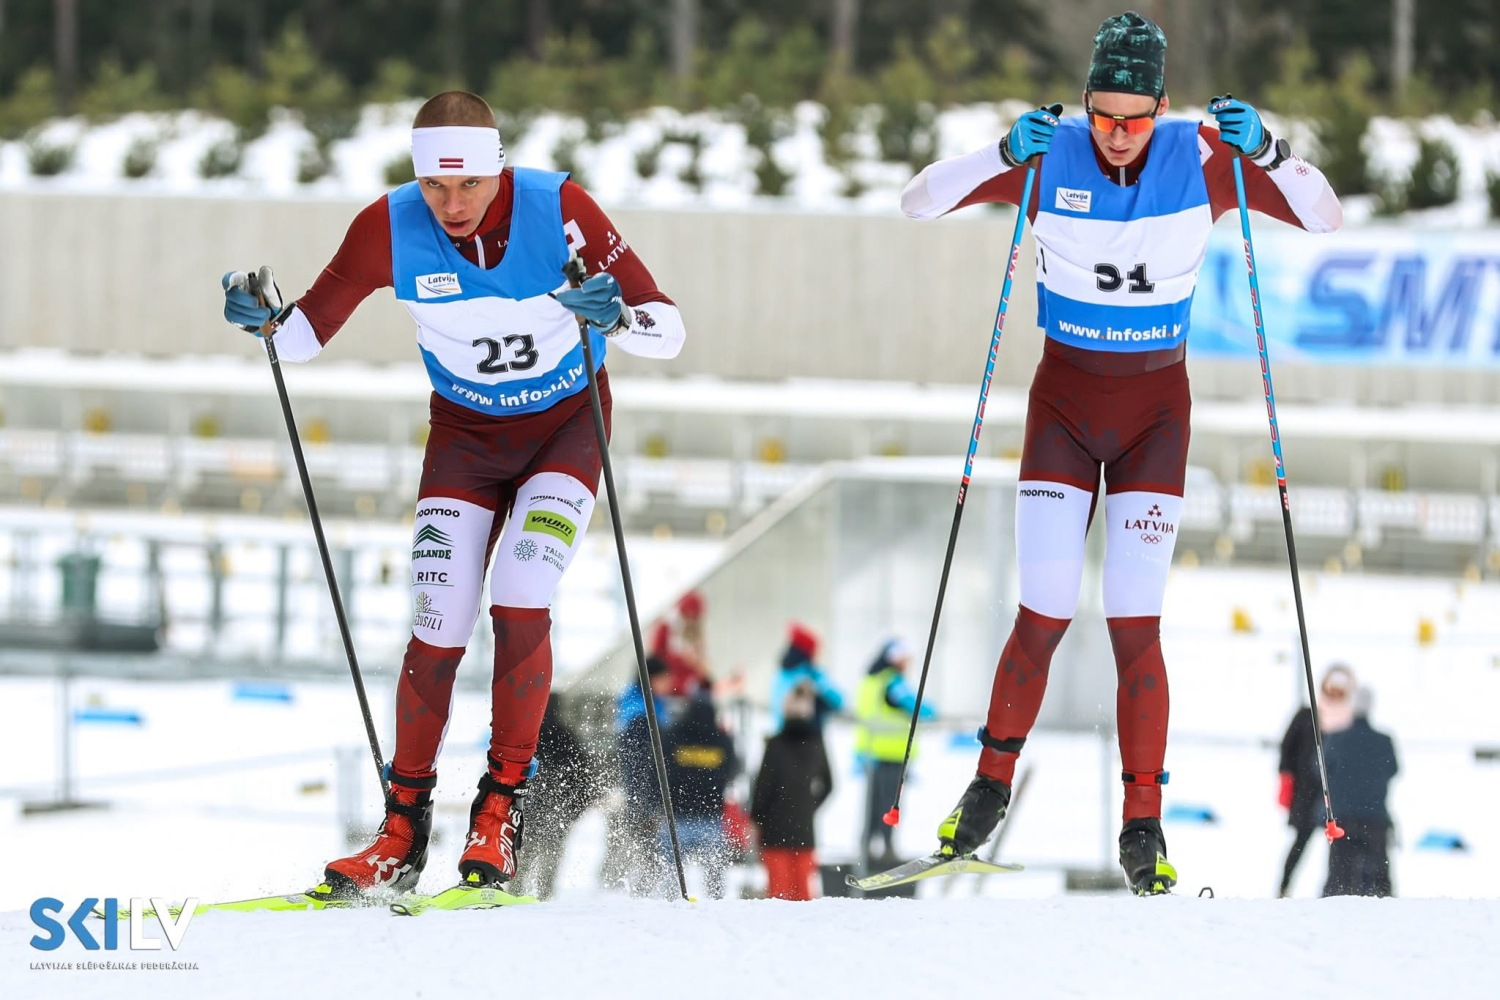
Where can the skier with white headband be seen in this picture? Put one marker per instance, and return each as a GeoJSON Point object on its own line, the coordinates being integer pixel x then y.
{"type": "Point", "coordinates": [475, 250]}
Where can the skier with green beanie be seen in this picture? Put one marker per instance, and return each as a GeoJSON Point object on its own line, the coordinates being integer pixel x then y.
{"type": "Point", "coordinates": [1121, 211]}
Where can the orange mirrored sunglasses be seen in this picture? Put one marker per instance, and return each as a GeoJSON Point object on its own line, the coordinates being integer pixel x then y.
{"type": "Point", "coordinates": [1132, 124]}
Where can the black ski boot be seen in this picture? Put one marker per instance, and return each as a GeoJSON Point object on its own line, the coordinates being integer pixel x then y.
{"type": "Point", "coordinates": [1143, 856]}
{"type": "Point", "coordinates": [975, 817]}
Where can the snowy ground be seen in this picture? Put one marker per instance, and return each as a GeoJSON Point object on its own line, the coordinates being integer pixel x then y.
{"type": "Point", "coordinates": [1072, 947]}
{"type": "Point", "coordinates": [216, 795]}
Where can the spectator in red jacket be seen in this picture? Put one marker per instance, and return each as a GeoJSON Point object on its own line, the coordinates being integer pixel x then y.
{"type": "Point", "coordinates": [680, 645]}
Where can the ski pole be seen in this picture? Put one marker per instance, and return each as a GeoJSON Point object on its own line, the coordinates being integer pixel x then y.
{"type": "Point", "coordinates": [267, 333]}
{"type": "Point", "coordinates": [575, 272]}
{"type": "Point", "coordinates": [893, 815]}
{"type": "Point", "coordinates": [1332, 829]}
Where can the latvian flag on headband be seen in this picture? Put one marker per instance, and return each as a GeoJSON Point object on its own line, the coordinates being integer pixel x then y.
{"type": "Point", "coordinates": [466, 150]}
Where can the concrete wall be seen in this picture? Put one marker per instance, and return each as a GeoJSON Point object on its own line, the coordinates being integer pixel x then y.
{"type": "Point", "coordinates": [766, 295]}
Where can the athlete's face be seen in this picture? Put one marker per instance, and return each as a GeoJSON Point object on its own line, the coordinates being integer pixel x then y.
{"type": "Point", "coordinates": [1125, 139]}
{"type": "Point", "coordinates": [459, 203]}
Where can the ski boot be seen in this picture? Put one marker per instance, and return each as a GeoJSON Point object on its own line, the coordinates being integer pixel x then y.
{"type": "Point", "coordinates": [977, 814]}
{"type": "Point", "coordinates": [1143, 856]}
{"type": "Point", "coordinates": [396, 859]}
{"type": "Point", "coordinates": [495, 822]}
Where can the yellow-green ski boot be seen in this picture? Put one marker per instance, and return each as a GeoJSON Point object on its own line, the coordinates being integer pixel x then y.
{"type": "Point", "coordinates": [1143, 856]}
{"type": "Point", "coordinates": [975, 817]}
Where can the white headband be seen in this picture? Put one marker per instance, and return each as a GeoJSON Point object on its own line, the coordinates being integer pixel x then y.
{"type": "Point", "coordinates": [464, 150]}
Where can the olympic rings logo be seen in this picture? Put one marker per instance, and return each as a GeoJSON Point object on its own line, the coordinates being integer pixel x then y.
{"type": "Point", "coordinates": [1151, 539]}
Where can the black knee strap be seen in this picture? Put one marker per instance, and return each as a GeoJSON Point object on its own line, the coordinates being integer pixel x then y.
{"type": "Point", "coordinates": [407, 781]}
{"type": "Point", "coordinates": [421, 810]}
{"type": "Point", "coordinates": [1012, 745]}
{"type": "Point", "coordinates": [1145, 777]}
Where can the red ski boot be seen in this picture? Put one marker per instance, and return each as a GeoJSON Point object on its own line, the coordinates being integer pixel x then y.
{"type": "Point", "coordinates": [489, 856]}
{"type": "Point", "coordinates": [396, 859]}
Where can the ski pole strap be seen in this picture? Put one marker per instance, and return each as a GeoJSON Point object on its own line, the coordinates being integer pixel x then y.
{"type": "Point", "coordinates": [1011, 745]}
{"type": "Point", "coordinates": [1145, 777]}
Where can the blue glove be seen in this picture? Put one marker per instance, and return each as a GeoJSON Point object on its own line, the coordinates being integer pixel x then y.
{"type": "Point", "coordinates": [1240, 125]}
{"type": "Point", "coordinates": [599, 301]}
{"type": "Point", "coordinates": [243, 307]}
{"type": "Point", "coordinates": [1030, 136]}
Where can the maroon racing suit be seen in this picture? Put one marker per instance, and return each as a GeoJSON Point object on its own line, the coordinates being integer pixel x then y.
{"type": "Point", "coordinates": [1125, 414]}
{"type": "Point", "coordinates": [483, 459]}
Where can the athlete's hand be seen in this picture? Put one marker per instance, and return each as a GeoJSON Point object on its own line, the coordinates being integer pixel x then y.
{"type": "Point", "coordinates": [251, 300]}
{"type": "Point", "coordinates": [1240, 125]}
{"type": "Point", "coordinates": [1031, 135]}
{"type": "Point", "coordinates": [599, 301]}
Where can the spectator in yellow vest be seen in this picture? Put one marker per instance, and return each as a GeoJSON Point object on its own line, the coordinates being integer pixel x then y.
{"type": "Point", "coordinates": [884, 708]}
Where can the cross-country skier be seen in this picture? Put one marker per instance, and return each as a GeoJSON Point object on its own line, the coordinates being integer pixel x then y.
{"type": "Point", "coordinates": [475, 250]}
{"type": "Point", "coordinates": [1121, 215]}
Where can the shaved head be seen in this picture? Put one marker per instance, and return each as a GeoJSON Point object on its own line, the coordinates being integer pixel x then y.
{"type": "Point", "coordinates": [455, 107]}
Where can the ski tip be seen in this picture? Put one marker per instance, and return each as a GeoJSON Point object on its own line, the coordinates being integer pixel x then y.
{"type": "Point", "coordinates": [892, 816]}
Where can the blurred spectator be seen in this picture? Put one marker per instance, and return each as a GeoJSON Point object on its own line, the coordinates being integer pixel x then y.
{"type": "Point", "coordinates": [631, 853]}
{"type": "Point", "coordinates": [884, 707]}
{"type": "Point", "coordinates": [700, 764]}
{"type": "Point", "coordinates": [567, 782]}
{"type": "Point", "coordinates": [1361, 764]}
{"type": "Point", "coordinates": [631, 703]}
{"type": "Point", "coordinates": [793, 782]}
{"type": "Point", "coordinates": [1301, 792]}
{"type": "Point", "coordinates": [797, 664]}
{"type": "Point", "coordinates": [679, 642]}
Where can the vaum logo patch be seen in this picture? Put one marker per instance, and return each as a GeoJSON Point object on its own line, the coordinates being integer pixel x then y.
{"type": "Point", "coordinates": [437, 286]}
{"type": "Point", "coordinates": [1074, 200]}
{"type": "Point", "coordinates": [547, 523]}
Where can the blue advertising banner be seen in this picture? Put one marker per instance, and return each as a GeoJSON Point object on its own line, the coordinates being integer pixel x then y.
{"type": "Point", "coordinates": [1364, 296]}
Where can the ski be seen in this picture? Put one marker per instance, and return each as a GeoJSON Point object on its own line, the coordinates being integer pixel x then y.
{"type": "Point", "coordinates": [930, 867]}
{"type": "Point", "coordinates": [464, 896]}
{"type": "Point", "coordinates": [460, 897]}
{"type": "Point", "coordinates": [319, 898]}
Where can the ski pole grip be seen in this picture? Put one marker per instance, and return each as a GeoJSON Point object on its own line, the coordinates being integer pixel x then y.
{"type": "Point", "coordinates": [574, 271]}
{"type": "Point", "coordinates": [252, 284]}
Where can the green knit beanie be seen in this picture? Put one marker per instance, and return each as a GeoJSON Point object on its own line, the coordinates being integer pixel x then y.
{"type": "Point", "coordinates": [1130, 56]}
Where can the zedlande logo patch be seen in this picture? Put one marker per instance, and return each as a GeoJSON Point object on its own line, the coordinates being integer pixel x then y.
{"type": "Point", "coordinates": [548, 523]}
{"type": "Point", "coordinates": [1074, 200]}
{"type": "Point", "coordinates": [430, 536]}
{"type": "Point", "coordinates": [437, 286]}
